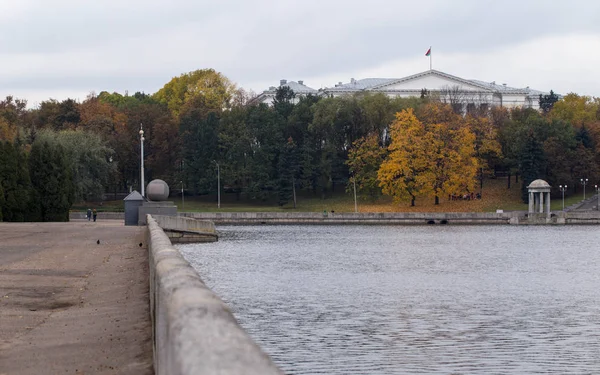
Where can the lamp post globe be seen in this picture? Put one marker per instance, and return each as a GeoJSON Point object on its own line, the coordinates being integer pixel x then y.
{"type": "Point", "coordinates": [584, 182]}
{"type": "Point", "coordinates": [562, 189]}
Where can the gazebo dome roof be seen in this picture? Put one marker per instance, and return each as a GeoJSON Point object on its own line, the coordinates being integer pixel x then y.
{"type": "Point", "coordinates": [537, 184]}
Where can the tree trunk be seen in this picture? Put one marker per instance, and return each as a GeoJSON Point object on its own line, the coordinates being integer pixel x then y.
{"type": "Point", "coordinates": [412, 200]}
{"type": "Point", "coordinates": [481, 181]}
{"type": "Point", "coordinates": [437, 200]}
{"type": "Point", "coordinates": [294, 190]}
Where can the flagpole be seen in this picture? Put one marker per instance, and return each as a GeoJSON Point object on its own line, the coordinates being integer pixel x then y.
{"type": "Point", "coordinates": [430, 57]}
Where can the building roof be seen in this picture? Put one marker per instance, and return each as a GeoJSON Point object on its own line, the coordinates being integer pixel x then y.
{"type": "Point", "coordinates": [134, 196]}
{"type": "Point", "coordinates": [538, 184]}
{"type": "Point", "coordinates": [380, 84]}
{"type": "Point", "coordinates": [361, 84]}
{"type": "Point", "coordinates": [298, 87]}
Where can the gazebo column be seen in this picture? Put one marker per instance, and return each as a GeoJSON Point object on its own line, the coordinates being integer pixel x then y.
{"type": "Point", "coordinates": [531, 202]}
{"type": "Point", "coordinates": [541, 203]}
{"type": "Point", "coordinates": [548, 205]}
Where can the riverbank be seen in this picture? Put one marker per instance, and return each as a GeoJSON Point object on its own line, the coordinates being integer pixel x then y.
{"type": "Point", "coordinates": [396, 218]}
{"type": "Point", "coordinates": [71, 305]}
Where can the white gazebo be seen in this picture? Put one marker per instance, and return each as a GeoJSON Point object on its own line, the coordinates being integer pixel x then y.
{"type": "Point", "coordinates": [539, 193]}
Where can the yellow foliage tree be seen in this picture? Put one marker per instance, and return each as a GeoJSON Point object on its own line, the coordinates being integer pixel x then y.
{"type": "Point", "coordinates": [429, 159]}
{"type": "Point", "coordinates": [576, 109]}
{"type": "Point", "coordinates": [8, 131]}
{"type": "Point", "coordinates": [451, 161]}
{"type": "Point", "coordinates": [215, 90]}
{"type": "Point", "coordinates": [400, 174]}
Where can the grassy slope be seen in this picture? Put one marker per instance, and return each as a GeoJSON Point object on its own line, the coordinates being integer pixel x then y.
{"type": "Point", "coordinates": [495, 196]}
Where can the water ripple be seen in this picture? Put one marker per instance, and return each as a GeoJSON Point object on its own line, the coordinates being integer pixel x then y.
{"type": "Point", "coordinates": [396, 300]}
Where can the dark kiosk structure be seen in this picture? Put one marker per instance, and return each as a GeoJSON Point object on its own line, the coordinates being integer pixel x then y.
{"type": "Point", "coordinates": [132, 204]}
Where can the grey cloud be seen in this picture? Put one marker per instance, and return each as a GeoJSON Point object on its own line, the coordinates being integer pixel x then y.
{"type": "Point", "coordinates": [142, 44]}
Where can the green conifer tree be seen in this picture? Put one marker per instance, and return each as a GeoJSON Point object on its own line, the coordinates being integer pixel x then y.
{"type": "Point", "coordinates": [532, 163]}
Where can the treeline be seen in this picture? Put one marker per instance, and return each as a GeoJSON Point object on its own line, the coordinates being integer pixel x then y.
{"type": "Point", "coordinates": [409, 148]}
{"type": "Point", "coordinates": [35, 186]}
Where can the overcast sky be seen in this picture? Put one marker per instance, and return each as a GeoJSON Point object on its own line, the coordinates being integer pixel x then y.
{"type": "Point", "coordinates": [68, 48]}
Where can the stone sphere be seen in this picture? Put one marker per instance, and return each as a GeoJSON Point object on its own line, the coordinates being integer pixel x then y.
{"type": "Point", "coordinates": [157, 190]}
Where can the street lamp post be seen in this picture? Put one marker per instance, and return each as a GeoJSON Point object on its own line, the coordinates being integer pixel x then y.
{"type": "Point", "coordinates": [218, 185]}
{"type": "Point", "coordinates": [142, 158]}
{"type": "Point", "coordinates": [563, 189]}
{"type": "Point", "coordinates": [584, 182]}
{"type": "Point", "coordinates": [598, 197]}
{"type": "Point", "coordinates": [182, 199]}
{"type": "Point", "coordinates": [355, 203]}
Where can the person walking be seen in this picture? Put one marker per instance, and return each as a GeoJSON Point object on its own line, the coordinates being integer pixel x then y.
{"type": "Point", "coordinates": [89, 214]}
{"type": "Point", "coordinates": [94, 213]}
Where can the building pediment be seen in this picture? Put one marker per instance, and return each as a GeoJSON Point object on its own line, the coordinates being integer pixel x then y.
{"type": "Point", "coordinates": [431, 80]}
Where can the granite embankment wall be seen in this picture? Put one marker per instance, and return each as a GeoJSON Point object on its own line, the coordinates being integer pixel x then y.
{"type": "Point", "coordinates": [582, 217]}
{"type": "Point", "coordinates": [194, 331]}
{"type": "Point", "coordinates": [181, 229]}
{"type": "Point", "coordinates": [395, 218]}
{"type": "Point", "coordinates": [391, 218]}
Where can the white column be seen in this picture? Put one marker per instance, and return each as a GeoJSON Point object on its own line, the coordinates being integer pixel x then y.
{"type": "Point", "coordinates": [541, 203]}
{"type": "Point", "coordinates": [531, 202]}
{"type": "Point", "coordinates": [548, 205]}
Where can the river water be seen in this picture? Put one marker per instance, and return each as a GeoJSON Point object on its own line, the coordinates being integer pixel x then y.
{"type": "Point", "coordinates": [412, 299]}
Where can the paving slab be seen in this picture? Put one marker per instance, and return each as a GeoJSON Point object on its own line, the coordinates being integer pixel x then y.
{"type": "Point", "coordinates": [71, 305]}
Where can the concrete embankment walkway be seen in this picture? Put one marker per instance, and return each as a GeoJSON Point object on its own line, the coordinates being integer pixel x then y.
{"type": "Point", "coordinates": [71, 306]}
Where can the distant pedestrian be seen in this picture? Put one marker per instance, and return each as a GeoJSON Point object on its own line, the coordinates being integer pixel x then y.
{"type": "Point", "coordinates": [89, 214]}
{"type": "Point", "coordinates": [94, 213]}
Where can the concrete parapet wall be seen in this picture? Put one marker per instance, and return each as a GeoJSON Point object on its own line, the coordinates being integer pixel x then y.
{"type": "Point", "coordinates": [183, 223]}
{"type": "Point", "coordinates": [185, 229]}
{"type": "Point", "coordinates": [417, 218]}
{"type": "Point", "coordinates": [80, 215]}
{"type": "Point", "coordinates": [194, 332]}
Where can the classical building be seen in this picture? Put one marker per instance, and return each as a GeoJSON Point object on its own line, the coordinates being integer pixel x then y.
{"type": "Point", "coordinates": [451, 89]}
{"type": "Point", "coordinates": [299, 88]}
{"type": "Point", "coordinates": [459, 92]}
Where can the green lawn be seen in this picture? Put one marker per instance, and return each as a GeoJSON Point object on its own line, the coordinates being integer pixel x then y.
{"type": "Point", "coordinates": [495, 195]}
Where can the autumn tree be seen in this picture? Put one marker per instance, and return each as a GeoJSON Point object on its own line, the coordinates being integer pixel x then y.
{"type": "Point", "coordinates": [214, 87]}
{"type": "Point", "coordinates": [11, 113]}
{"type": "Point", "coordinates": [577, 110]}
{"type": "Point", "coordinates": [428, 157]}
{"type": "Point", "coordinates": [364, 160]}
{"type": "Point", "coordinates": [101, 117]}
{"type": "Point", "coordinates": [401, 174]}
{"type": "Point", "coordinates": [451, 160]}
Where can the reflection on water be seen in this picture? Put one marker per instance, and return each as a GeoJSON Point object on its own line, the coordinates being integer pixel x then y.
{"type": "Point", "coordinates": [403, 299]}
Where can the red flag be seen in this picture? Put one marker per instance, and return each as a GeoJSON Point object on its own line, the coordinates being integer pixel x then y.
{"type": "Point", "coordinates": [428, 52]}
